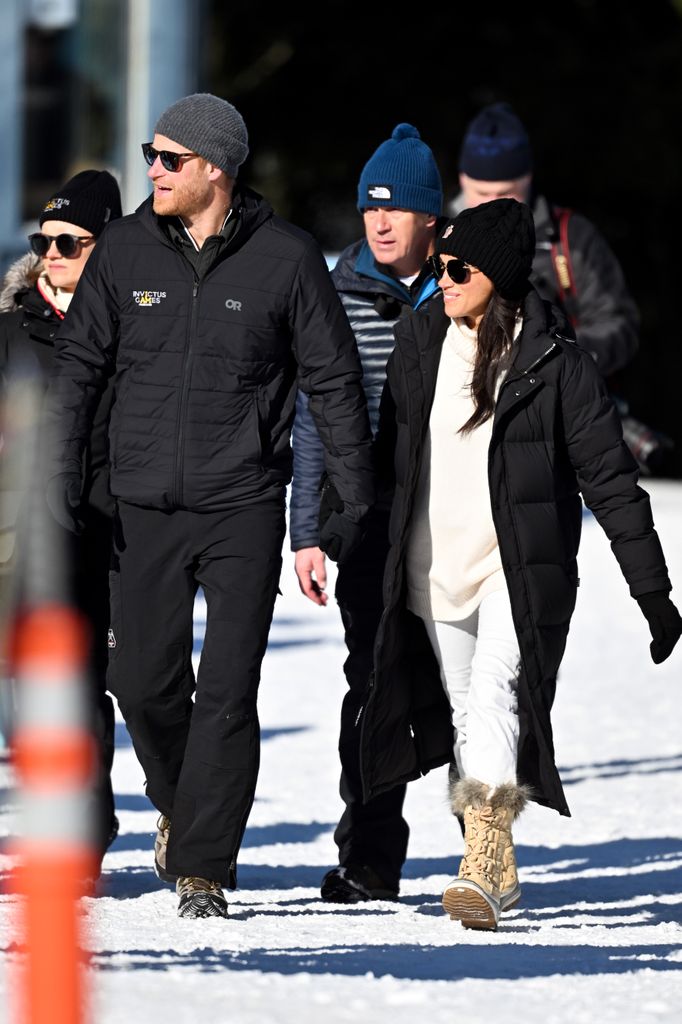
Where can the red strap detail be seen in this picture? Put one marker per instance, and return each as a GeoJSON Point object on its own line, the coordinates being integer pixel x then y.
{"type": "Point", "coordinates": [562, 265]}
{"type": "Point", "coordinates": [49, 301]}
{"type": "Point", "coordinates": [564, 217]}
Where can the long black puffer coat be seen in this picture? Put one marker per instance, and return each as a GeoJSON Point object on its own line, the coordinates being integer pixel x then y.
{"type": "Point", "coordinates": [555, 434]}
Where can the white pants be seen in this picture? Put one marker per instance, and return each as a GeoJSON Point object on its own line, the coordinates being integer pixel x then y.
{"type": "Point", "coordinates": [480, 661]}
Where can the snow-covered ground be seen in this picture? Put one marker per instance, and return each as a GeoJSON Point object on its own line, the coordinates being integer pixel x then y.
{"type": "Point", "coordinates": [597, 936]}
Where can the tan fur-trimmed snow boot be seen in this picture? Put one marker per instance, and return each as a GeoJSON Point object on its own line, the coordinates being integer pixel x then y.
{"type": "Point", "coordinates": [510, 890]}
{"type": "Point", "coordinates": [474, 897]}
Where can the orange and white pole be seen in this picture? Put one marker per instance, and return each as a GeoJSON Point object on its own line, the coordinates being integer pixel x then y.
{"type": "Point", "coordinates": [54, 757]}
{"type": "Point", "coordinates": [52, 745]}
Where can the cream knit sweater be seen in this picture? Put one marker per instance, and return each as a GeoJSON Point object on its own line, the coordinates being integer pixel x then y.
{"type": "Point", "coordinates": [453, 558]}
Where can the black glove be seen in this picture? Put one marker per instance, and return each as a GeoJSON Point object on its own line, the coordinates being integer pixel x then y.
{"type": "Point", "coordinates": [339, 534]}
{"type": "Point", "coordinates": [664, 621]}
{"type": "Point", "coordinates": [63, 498]}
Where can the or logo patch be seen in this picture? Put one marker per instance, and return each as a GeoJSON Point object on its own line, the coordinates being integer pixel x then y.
{"type": "Point", "coordinates": [379, 192]}
{"type": "Point", "coordinates": [233, 304]}
{"type": "Point", "coordinates": [56, 204]}
{"type": "Point", "coordinates": [111, 639]}
{"type": "Point", "coordinates": [448, 231]}
{"type": "Point", "coordinates": [147, 298]}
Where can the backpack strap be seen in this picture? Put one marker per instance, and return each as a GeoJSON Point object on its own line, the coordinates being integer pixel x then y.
{"type": "Point", "coordinates": [561, 262]}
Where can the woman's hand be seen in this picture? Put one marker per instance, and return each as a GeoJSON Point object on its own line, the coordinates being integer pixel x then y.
{"type": "Point", "coordinates": [664, 621]}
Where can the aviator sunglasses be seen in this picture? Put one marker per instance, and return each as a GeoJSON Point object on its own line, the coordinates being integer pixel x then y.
{"type": "Point", "coordinates": [67, 245]}
{"type": "Point", "coordinates": [456, 269]}
{"type": "Point", "coordinates": [171, 161]}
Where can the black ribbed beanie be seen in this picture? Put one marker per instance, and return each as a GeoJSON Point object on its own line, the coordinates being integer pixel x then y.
{"type": "Point", "coordinates": [496, 237]}
{"type": "Point", "coordinates": [88, 200]}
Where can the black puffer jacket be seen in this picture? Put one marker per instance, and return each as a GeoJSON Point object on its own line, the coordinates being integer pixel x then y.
{"type": "Point", "coordinates": [206, 369]}
{"type": "Point", "coordinates": [555, 434]}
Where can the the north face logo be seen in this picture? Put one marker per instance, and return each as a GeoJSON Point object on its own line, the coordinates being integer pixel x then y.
{"type": "Point", "coordinates": [148, 298]}
{"type": "Point", "coordinates": [233, 304]}
{"type": "Point", "coordinates": [379, 192]}
{"type": "Point", "coordinates": [111, 639]}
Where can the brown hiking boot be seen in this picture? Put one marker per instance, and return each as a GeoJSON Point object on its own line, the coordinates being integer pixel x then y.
{"type": "Point", "coordinates": [160, 848]}
{"type": "Point", "coordinates": [474, 897]}
{"type": "Point", "coordinates": [199, 897]}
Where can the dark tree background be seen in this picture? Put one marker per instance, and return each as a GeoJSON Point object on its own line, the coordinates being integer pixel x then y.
{"type": "Point", "coordinates": [597, 84]}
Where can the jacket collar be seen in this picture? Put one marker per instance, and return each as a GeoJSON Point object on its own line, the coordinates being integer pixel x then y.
{"type": "Point", "coordinates": [253, 210]}
{"type": "Point", "coordinates": [357, 271]}
{"type": "Point", "coordinates": [536, 340]}
{"type": "Point", "coordinates": [367, 267]}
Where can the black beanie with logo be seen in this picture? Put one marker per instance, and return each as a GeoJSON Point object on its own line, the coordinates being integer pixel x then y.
{"type": "Point", "coordinates": [497, 238]}
{"type": "Point", "coordinates": [88, 200]}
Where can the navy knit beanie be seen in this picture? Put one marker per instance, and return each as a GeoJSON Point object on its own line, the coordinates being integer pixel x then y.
{"type": "Point", "coordinates": [402, 172]}
{"type": "Point", "coordinates": [89, 200]}
{"type": "Point", "coordinates": [496, 237]}
{"type": "Point", "coordinates": [496, 146]}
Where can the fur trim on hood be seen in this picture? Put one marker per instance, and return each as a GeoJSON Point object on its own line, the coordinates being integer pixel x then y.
{"type": "Point", "coordinates": [22, 274]}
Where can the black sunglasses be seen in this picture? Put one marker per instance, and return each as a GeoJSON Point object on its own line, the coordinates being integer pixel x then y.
{"type": "Point", "coordinates": [171, 161]}
{"type": "Point", "coordinates": [456, 269]}
{"type": "Point", "coordinates": [67, 245]}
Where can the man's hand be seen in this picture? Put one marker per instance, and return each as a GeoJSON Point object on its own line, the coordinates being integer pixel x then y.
{"type": "Point", "coordinates": [339, 537]}
{"type": "Point", "coordinates": [340, 533]}
{"type": "Point", "coordinates": [312, 574]}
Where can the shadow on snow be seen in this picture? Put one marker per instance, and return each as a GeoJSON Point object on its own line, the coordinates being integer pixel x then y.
{"type": "Point", "coordinates": [500, 960]}
{"type": "Point", "coordinates": [255, 835]}
{"type": "Point", "coordinates": [122, 739]}
{"type": "Point", "coordinates": [617, 769]}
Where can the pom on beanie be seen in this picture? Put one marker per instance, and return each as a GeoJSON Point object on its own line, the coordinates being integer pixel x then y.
{"type": "Point", "coordinates": [402, 172]}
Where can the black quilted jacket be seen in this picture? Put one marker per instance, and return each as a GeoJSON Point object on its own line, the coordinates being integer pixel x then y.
{"type": "Point", "coordinates": [206, 369]}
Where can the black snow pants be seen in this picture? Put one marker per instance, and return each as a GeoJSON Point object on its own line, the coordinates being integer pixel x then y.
{"type": "Point", "coordinates": [201, 756]}
{"type": "Point", "coordinates": [373, 834]}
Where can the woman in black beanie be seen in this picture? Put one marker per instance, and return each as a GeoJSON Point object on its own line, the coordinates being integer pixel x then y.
{"type": "Point", "coordinates": [34, 300]}
{"type": "Point", "coordinates": [493, 423]}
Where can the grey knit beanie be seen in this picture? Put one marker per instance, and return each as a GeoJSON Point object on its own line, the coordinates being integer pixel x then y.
{"type": "Point", "coordinates": [209, 126]}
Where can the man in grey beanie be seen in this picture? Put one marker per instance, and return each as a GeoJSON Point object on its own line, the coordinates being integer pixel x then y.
{"type": "Point", "coordinates": [209, 311]}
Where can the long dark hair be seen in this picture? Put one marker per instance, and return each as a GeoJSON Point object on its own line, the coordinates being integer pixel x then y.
{"type": "Point", "coordinates": [495, 339]}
